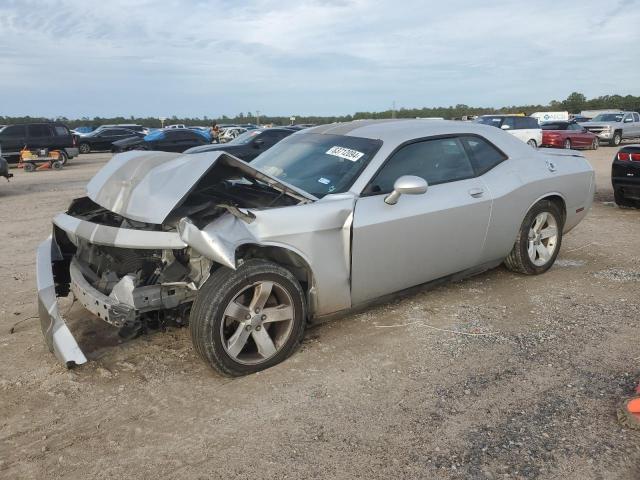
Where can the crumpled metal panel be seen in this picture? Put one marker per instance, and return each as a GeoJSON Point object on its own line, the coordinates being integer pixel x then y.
{"type": "Point", "coordinates": [147, 186]}
{"type": "Point", "coordinates": [318, 232]}
{"type": "Point", "coordinates": [56, 333]}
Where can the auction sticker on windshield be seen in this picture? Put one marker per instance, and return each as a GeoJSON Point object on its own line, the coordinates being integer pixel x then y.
{"type": "Point", "coordinates": [346, 153]}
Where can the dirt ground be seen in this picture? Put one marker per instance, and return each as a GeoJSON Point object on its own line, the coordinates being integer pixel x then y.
{"type": "Point", "coordinates": [397, 391]}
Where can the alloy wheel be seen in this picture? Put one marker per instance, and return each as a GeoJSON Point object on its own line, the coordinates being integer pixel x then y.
{"type": "Point", "coordinates": [567, 144]}
{"type": "Point", "coordinates": [257, 322]}
{"type": "Point", "coordinates": [543, 239]}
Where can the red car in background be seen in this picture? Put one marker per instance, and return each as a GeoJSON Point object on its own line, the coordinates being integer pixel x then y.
{"type": "Point", "coordinates": [568, 135]}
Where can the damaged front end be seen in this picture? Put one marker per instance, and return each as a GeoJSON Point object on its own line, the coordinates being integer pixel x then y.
{"type": "Point", "coordinates": [129, 251]}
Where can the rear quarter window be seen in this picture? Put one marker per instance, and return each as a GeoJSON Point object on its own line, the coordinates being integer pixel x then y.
{"type": "Point", "coordinates": [483, 154]}
{"type": "Point", "coordinates": [61, 131]}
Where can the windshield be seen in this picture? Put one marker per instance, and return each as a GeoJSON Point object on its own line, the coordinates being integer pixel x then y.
{"type": "Point", "coordinates": [555, 126]}
{"type": "Point", "coordinates": [608, 117]}
{"type": "Point", "coordinates": [490, 120]}
{"type": "Point", "coordinates": [245, 138]}
{"type": "Point", "coordinates": [318, 164]}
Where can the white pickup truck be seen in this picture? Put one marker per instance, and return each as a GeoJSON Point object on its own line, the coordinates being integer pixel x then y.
{"type": "Point", "coordinates": [613, 127]}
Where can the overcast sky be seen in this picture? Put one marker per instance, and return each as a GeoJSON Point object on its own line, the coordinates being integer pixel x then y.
{"type": "Point", "coordinates": [195, 57]}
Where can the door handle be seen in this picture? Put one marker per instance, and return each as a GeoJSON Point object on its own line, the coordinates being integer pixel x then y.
{"type": "Point", "coordinates": [476, 192]}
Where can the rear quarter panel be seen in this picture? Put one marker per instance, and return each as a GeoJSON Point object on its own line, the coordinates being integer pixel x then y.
{"type": "Point", "coordinates": [521, 181]}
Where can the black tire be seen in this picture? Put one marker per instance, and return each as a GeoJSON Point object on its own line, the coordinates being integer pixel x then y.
{"type": "Point", "coordinates": [567, 144]}
{"type": "Point", "coordinates": [63, 158]}
{"type": "Point", "coordinates": [57, 165]}
{"type": "Point", "coordinates": [595, 144]}
{"type": "Point", "coordinates": [621, 201]}
{"type": "Point", "coordinates": [532, 143]}
{"type": "Point", "coordinates": [616, 140]}
{"type": "Point", "coordinates": [84, 148]}
{"type": "Point", "coordinates": [222, 287]}
{"type": "Point", "coordinates": [29, 167]}
{"type": "Point", "coordinates": [518, 259]}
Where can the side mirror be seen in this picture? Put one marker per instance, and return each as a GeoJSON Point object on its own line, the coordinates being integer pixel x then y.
{"type": "Point", "coordinates": [408, 185]}
{"type": "Point", "coordinates": [505, 127]}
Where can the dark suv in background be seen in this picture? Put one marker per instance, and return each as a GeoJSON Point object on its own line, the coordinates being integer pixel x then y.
{"type": "Point", "coordinates": [51, 135]}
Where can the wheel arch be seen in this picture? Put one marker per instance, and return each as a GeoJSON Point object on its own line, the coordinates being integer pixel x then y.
{"type": "Point", "coordinates": [287, 257]}
{"type": "Point", "coordinates": [556, 198]}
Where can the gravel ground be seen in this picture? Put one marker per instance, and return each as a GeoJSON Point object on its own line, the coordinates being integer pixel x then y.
{"type": "Point", "coordinates": [498, 376]}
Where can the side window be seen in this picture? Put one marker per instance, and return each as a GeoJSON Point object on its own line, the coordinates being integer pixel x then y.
{"type": "Point", "coordinates": [509, 122]}
{"type": "Point", "coordinates": [437, 161]}
{"type": "Point", "coordinates": [636, 117]}
{"type": "Point", "coordinates": [61, 131]}
{"type": "Point", "coordinates": [575, 126]}
{"type": "Point", "coordinates": [533, 122]}
{"type": "Point", "coordinates": [39, 130]}
{"type": "Point", "coordinates": [484, 155]}
{"type": "Point", "coordinates": [628, 118]}
{"type": "Point", "coordinates": [14, 131]}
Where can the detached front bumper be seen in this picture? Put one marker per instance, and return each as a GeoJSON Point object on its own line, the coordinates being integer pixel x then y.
{"type": "Point", "coordinates": [56, 333]}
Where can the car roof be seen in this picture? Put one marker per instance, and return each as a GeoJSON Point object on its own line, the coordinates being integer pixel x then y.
{"type": "Point", "coordinates": [399, 131]}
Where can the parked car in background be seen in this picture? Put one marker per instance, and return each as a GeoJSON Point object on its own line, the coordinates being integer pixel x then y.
{"type": "Point", "coordinates": [228, 134]}
{"type": "Point", "coordinates": [248, 145]}
{"type": "Point", "coordinates": [329, 219]}
{"type": "Point", "coordinates": [49, 135]}
{"type": "Point", "coordinates": [526, 129]}
{"type": "Point", "coordinates": [103, 139]}
{"type": "Point", "coordinates": [614, 127]}
{"type": "Point", "coordinates": [625, 176]}
{"type": "Point", "coordinates": [167, 140]}
{"type": "Point", "coordinates": [4, 168]}
{"type": "Point", "coordinates": [568, 135]}
{"type": "Point", "coordinates": [177, 125]}
{"type": "Point", "coordinates": [579, 119]}
{"type": "Point", "coordinates": [129, 126]}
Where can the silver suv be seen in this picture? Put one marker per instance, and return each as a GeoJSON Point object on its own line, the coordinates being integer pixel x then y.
{"type": "Point", "coordinates": [613, 127]}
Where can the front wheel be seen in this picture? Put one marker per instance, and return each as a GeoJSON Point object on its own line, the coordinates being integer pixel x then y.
{"type": "Point", "coordinates": [616, 140]}
{"type": "Point", "coordinates": [538, 242]}
{"type": "Point", "coordinates": [567, 144]}
{"type": "Point", "coordinates": [84, 148]}
{"type": "Point", "coordinates": [249, 319]}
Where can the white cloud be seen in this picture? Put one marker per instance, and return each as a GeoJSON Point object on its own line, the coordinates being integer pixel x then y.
{"type": "Point", "coordinates": [83, 57]}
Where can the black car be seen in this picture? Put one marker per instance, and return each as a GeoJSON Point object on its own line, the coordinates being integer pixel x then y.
{"type": "Point", "coordinates": [248, 145]}
{"type": "Point", "coordinates": [167, 140]}
{"type": "Point", "coordinates": [4, 169]}
{"type": "Point", "coordinates": [103, 138]}
{"type": "Point", "coordinates": [625, 176]}
{"type": "Point", "coordinates": [50, 135]}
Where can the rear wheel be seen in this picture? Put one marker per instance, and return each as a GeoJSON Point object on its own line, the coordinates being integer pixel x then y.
{"type": "Point", "coordinates": [595, 144]}
{"type": "Point", "coordinates": [248, 319]}
{"type": "Point", "coordinates": [567, 144]}
{"type": "Point", "coordinates": [539, 239]}
{"type": "Point", "coordinates": [532, 143]}
{"type": "Point", "coordinates": [84, 148]}
{"type": "Point", "coordinates": [63, 158]}
{"type": "Point", "coordinates": [57, 165]}
{"type": "Point", "coordinates": [29, 167]}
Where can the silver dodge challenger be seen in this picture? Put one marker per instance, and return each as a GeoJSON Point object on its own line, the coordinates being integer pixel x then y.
{"type": "Point", "coordinates": [331, 218]}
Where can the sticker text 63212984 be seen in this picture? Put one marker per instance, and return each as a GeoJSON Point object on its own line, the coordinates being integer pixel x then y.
{"type": "Point", "coordinates": [346, 153]}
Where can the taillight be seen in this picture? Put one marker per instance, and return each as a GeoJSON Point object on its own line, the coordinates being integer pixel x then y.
{"type": "Point", "coordinates": [623, 156]}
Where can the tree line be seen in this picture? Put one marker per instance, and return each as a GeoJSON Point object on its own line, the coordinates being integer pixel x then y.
{"type": "Point", "coordinates": [574, 103]}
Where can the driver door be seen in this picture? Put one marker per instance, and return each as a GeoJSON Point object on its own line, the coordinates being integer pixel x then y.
{"type": "Point", "coordinates": [422, 237]}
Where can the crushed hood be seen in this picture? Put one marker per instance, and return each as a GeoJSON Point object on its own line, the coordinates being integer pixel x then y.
{"type": "Point", "coordinates": [147, 186]}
